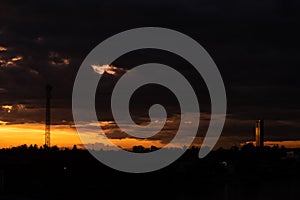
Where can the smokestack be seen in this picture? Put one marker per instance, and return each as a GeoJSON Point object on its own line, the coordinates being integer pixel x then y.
{"type": "Point", "coordinates": [259, 133]}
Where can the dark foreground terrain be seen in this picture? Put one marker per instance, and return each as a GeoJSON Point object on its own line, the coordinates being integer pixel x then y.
{"type": "Point", "coordinates": [247, 173]}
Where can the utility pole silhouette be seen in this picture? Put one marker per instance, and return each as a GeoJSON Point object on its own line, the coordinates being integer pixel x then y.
{"type": "Point", "coordinates": [48, 115]}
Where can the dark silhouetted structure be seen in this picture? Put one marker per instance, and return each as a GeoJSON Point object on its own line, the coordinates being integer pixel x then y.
{"type": "Point", "coordinates": [259, 133]}
{"type": "Point", "coordinates": [48, 115]}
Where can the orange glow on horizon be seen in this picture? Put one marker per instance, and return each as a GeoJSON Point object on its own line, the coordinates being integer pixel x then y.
{"type": "Point", "coordinates": [128, 143]}
{"type": "Point", "coordinates": [18, 134]}
{"type": "Point", "coordinates": [285, 143]}
{"type": "Point", "coordinates": [67, 136]}
{"type": "Point", "coordinates": [61, 136]}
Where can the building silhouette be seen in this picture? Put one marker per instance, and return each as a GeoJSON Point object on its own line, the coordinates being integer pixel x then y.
{"type": "Point", "coordinates": [259, 133]}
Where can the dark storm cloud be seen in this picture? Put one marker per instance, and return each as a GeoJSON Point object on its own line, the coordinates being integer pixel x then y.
{"type": "Point", "coordinates": [254, 43]}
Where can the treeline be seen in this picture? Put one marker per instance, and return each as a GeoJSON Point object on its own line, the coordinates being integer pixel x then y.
{"type": "Point", "coordinates": [141, 149]}
{"type": "Point", "coordinates": [35, 147]}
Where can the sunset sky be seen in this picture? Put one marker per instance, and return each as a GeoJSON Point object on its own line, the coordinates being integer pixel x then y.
{"type": "Point", "coordinates": [254, 44]}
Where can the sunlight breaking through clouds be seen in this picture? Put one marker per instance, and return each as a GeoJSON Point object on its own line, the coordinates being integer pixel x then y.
{"type": "Point", "coordinates": [109, 69]}
{"type": "Point", "coordinates": [10, 62]}
{"type": "Point", "coordinates": [3, 122]}
{"type": "Point", "coordinates": [16, 107]}
{"type": "Point", "coordinates": [2, 48]}
{"type": "Point", "coordinates": [8, 108]}
{"type": "Point", "coordinates": [17, 58]}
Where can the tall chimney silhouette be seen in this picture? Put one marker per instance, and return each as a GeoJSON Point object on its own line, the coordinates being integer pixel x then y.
{"type": "Point", "coordinates": [259, 133]}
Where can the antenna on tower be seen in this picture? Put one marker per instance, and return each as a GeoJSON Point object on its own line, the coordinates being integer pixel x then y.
{"type": "Point", "coordinates": [48, 115]}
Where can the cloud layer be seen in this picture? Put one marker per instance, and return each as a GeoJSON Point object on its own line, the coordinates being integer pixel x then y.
{"type": "Point", "coordinates": [254, 43]}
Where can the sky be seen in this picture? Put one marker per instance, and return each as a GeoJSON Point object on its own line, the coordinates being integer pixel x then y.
{"type": "Point", "coordinates": [255, 45]}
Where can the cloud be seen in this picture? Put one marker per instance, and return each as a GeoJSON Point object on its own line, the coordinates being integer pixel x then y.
{"type": "Point", "coordinates": [2, 48]}
{"type": "Point", "coordinates": [10, 62]}
{"type": "Point", "coordinates": [164, 136]}
{"type": "Point", "coordinates": [17, 58]}
{"type": "Point", "coordinates": [109, 69]}
{"type": "Point", "coordinates": [56, 59]}
{"type": "Point", "coordinates": [249, 62]}
{"type": "Point", "coordinates": [15, 108]}
{"type": "Point", "coordinates": [22, 113]}
{"type": "Point", "coordinates": [3, 122]}
{"type": "Point", "coordinates": [8, 108]}
{"type": "Point", "coordinates": [32, 71]}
